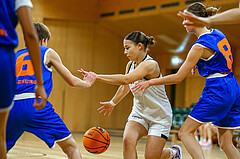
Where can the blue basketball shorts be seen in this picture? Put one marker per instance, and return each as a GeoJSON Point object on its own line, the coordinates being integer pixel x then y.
{"type": "Point", "coordinates": [219, 103]}
{"type": "Point", "coordinates": [7, 78]}
{"type": "Point", "coordinates": [45, 124]}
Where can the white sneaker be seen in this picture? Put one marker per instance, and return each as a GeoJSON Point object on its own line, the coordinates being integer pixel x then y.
{"type": "Point", "coordinates": [178, 155]}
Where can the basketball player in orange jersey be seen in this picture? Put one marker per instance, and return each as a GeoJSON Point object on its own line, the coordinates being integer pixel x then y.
{"type": "Point", "coordinates": [220, 99]}
{"type": "Point", "coordinates": [46, 123]}
{"type": "Point", "coordinates": [151, 114]}
{"type": "Point", "coordinates": [10, 12]}
{"type": "Point", "coordinates": [231, 16]}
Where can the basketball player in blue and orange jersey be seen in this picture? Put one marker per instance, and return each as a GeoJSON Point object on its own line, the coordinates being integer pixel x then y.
{"type": "Point", "coordinates": [46, 123]}
{"type": "Point", "coordinates": [220, 99]}
{"type": "Point", "coordinates": [231, 16]}
{"type": "Point", "coordinates": [10, 11]}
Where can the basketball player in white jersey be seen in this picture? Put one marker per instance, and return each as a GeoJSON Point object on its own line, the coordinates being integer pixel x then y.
{"type": "Point", "coordinates": [151, 114]}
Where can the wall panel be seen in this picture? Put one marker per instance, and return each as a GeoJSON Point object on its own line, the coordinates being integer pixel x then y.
{"type": "Point", "coordinates": [79, 55]}
{"type": "Point", "coordinates": [193, 89]}
{"type": "Point", "coordinates": [92, 47]}
{"type": "Point", "coordinates": [109, 59]}
{"type": "Point", "coordinates": [59, 44]}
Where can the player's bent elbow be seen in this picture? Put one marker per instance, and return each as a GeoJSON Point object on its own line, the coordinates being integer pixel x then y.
{"type": "Point", "coordinates": [126, 82]}
{"type": "Point", "coordinates": [178, 80]}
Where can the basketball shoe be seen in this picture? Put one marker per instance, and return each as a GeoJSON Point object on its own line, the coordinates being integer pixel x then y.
{"type": "Point", "coordinates": [178, 155]}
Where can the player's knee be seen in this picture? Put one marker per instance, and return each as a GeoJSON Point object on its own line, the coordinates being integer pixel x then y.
{"type": "Point", "coordinates": [129, 143]}
{"type": "Point", "coordinates": [181, 133]}
{"type": "Point", "coordinates": [68, 146]}
{"type": "Point", "coordinates": [225, 144]}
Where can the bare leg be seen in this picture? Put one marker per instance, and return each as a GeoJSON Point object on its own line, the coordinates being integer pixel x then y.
{"type": "Point", "coordinates": [186, 134]}
{"type": "Point", "coordinates": [196, 135]}
{"type": "Point", "coordinates": [3, 122]}
{"type": "Point", "coordinates": [154, 148]}
{"type": "Point", "coordinates": [202, 134]}
{"type": "Point", "coordinates": [69, 146]}
{"type": "Point", "coordinates": [132, 133]}
{"type": "Point", "coordinates": [205, 130]}
{"type": "Point", "coordinates": [209, 133]}
{"type": "Point", "coordinates": [225, 142]}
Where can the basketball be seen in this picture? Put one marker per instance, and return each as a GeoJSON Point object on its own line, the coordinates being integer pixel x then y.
{"type": "Point", "coordinates": [96, 140]}
{"type": "Point", "coordinates": [234, 140]}
{"type": "Point", "coordinates": [214, 139]}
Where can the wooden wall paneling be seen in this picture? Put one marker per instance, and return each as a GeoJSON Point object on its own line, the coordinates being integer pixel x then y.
{"type": "Point", "coordinates": [79, 55]}
{"type": "Point", "coordinates": [108, 59]}
{"type": "Point", "coordinates": [193, 88]}
{"type": "Point", "coordinates": [80, 45]}
{"type": "Point", "coordinates": [236, 62]}
{"type": "Point", "coordinates": [77, 108]}
{"type": "Point", "coordinates": [58, 42]}
{"type": "Point", "coordinates": [68, 10]}
{"type": "Point", "coordinates": [21, 42]}
{"type": "Point", "coordinates": [37, 16]}
{"type": "Point", "coordinates": [180, 95]}
{"type": "Point", "coordinates": [108, 6]}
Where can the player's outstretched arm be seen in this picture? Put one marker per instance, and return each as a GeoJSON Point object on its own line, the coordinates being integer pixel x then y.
{"type": "Point", "coordinates": [231, 16]}
{"type": "Point", "coordinates": [145, 68]}
{"type": "Point", "coordinates": [193, 19]}
{"type": "Point", "coordinates": [54, 60]}
{"type": "Point", "coordinates": [30, 36]}
{"type": "Point", "coordinates": [194, 55]}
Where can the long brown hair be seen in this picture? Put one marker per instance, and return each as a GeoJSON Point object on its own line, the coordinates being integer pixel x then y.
{"type": "Point", "coordinates": [200, 10]}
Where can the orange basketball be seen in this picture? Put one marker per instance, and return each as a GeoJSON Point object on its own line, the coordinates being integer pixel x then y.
{"type": "Point", "coordinates": [234, 140]}
{"type": "Point", "coordinates": [214, 139]}
{"type": "Point", "coordinates": [96, 140]}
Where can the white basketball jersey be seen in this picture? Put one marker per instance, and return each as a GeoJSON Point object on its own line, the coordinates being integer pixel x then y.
{"type": "Point", "coordinates": [153, 104]}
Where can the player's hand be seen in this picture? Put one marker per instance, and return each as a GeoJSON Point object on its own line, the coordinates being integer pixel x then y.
{"type": "Point", "coordinates": [107, 107]}
{"type": "Point", "coordinates": [40, 92]}
{"type": "Point", "coordinates": [142, 86]}
{"type": "Point", "coordinates": [193, 70]}
{"type": "Point", "coordinates": [90, 78]}
{"type": "Point", "coordinates": [192, 19]}
{"type": "Point", "coordinates": [84, 73]}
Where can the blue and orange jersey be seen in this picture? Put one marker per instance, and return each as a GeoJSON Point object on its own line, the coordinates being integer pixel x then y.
{"type": "Point", "coordinates": [222, 60]}
{"type": "Point", "coordinates": [8, 22]}
{"type": "Point", "coordinates": [25, 76]}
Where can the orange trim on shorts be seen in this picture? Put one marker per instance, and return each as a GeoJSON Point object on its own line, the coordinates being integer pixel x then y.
{"type": "Point", "coordinates": [3, 32]}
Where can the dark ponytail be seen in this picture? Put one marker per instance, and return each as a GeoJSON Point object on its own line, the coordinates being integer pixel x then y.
{"type": "Point", "coordinates": [140, 37]}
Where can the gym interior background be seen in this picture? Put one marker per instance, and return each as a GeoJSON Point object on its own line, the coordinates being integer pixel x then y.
{"type": "Point", "coordinates": [89, 35]}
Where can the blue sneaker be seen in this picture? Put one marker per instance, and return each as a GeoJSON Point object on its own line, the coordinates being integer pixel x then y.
{"type": "Point", "coordinates": [178, 155]}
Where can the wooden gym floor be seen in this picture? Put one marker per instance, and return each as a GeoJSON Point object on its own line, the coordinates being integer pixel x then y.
{"type": "Point", "coordinates": [30, 147]}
